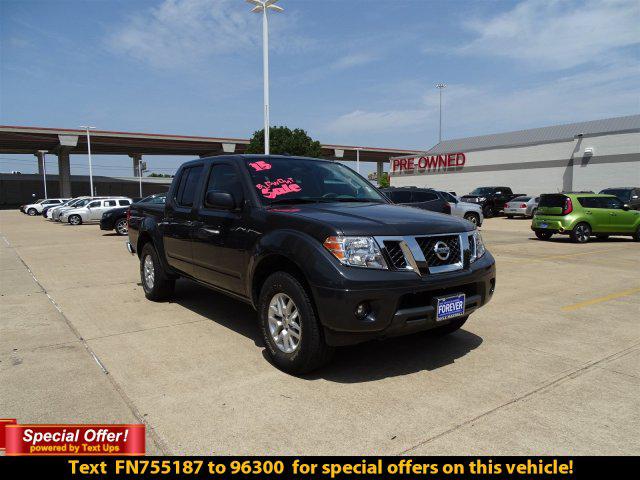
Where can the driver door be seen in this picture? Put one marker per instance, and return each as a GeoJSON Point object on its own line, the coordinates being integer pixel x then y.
{"type": "Point", "coordinates": [619, 220]}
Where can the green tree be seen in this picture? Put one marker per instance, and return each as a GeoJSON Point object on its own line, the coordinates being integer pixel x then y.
{"type": "Point", "coordinates": [283, 140]}
{"type": "Point", "coordinates": [384, 181]}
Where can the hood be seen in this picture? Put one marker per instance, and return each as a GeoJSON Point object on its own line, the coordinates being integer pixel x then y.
{"type": "Point", "coordinates": [375, 218]}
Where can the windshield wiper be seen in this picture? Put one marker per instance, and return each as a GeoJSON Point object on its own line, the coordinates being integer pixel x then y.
{"type": "Point", "coordinates": [361, 200]}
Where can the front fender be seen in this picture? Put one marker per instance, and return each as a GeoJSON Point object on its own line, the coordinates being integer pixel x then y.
{"type": "Point", "coordinates": [314, 261]}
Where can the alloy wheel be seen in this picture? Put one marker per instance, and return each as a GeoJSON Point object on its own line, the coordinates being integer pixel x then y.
{"type": "Point", "coordinates": [284, 323]}
{"type": "Point", "coordinates": [74, 220]}
{"type": "Point", "coordinates": [149, 272]}
{"type": "Point", "coordinates": [582, 233]}
{"type": "Point", "coordinates": [122, 227]}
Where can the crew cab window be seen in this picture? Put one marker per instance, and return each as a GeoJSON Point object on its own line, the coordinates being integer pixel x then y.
{"type": "Point", "coordinates": [188, 185]}
{"type": "Point", "coordinates": [124, 203]}
{"type": "Point", "coordinates": [423, 197]}
{"type": "Point", "coordinates": [224, 178]}
{"type": "Point", "coordinates": [94, 204]}
{"type": "Point", "coordinates": [109, 203]}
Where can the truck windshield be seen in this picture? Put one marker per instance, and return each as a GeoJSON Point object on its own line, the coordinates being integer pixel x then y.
{"type": "Point", "coordinates": [622, 194]}
{"type": "Point", "coordinates": [295, 180]}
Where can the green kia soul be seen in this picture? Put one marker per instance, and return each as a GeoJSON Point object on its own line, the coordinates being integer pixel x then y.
{"type": "Point", "coordinates": [582, 215]}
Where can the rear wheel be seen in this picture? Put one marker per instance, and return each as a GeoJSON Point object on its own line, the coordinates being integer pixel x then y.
{"type": "Point", "coordinates": [122, 228]}
{"type": "Point", "coordinates": [543, 235]}
{"type": "Point", "coordinates": [509, 217]}
{"type": "Point", "coordinates": [636, 236]}
{"type": "Point", "coordinates": [75, 220]}
{"type": "Point", "coordinates": [581, 233]}
{"type": "Point", "coordinates": [157, 285]}
{"type": "Point", "coordinates": [487, 212]}
{"type": "Point", "coordinates": [292, 334]}
{"type": "Point", "coordinates": [32, 212]}
{"type": "Point", "coordinates": [473, 218]}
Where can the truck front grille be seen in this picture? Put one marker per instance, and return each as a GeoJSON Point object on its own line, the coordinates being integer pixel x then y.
{"type": "Point", "coordinates": [396, 256]}
{"type": "Point", "coordinates": [435, 249]}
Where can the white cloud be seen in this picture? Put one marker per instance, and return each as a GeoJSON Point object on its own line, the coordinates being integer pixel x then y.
{"type": "Point", "coordinates": [610, 90]}
{"type": "Point", "coordinates": [380, 121]}
{"type": "Point", "coordinates": [353, 60]}
{"type": "Point", "coordinates": [185, 32]}
{"type": "Point", "coordinates": [557, 34]}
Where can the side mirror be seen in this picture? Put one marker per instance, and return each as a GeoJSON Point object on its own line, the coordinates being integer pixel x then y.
{"type": "Point", "coordinates": [218, 199]}
{"type": "Point", "coordinates": [626, 206]}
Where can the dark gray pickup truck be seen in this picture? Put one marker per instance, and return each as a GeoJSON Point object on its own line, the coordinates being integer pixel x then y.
{"type": "Point", "coordinates": [320, 253]}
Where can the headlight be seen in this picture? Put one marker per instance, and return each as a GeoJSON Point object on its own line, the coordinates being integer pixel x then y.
{"type": "Point", "coordinates": [477, 249]}
{"type": "Point", "coordinates": [356, 251]}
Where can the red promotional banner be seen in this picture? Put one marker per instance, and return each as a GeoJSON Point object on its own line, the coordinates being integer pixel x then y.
{"type": "Point", "coordinates": [3, 423]}
{"type": "Point", "coordinates": [75, 440]}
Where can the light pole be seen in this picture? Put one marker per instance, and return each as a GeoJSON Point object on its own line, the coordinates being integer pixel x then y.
{"type": "Point", "coordinates": [440, 86]}
{"type": "Point", "coordinates": [87, 128]}
{"type": "Point", "coordinates": [261, 6]}
{"type": "Point", "coordinates": [44, 170]}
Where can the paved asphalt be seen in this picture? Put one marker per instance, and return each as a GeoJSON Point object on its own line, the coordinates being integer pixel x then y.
{"type": "Point", "coordinates": [550, 366]}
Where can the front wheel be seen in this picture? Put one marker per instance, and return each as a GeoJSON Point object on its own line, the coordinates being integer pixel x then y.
{"type": "Point", "coordinates": [75, 220]}
{"type": "Point", "coordinates": [122, 228]}
{"type": "Point", "coordinates": [543, 235]}
{"type": "Point", "coordinates": [292, 334]}
{"type": "Point", "coordinates": [581, 233]}
{"type": "Point", "coordinates": [487, 212]}
{"type": "Point", "coordinates": [32, 212]}
{"type": "Point", "coordinates": [510, 217]}
{"type": "Point", "coordinates": [157, 285]}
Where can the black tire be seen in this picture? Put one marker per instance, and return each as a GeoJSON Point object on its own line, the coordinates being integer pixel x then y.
{"type": "Point", "coordinates": [311, 351]}
{"type": "Point", "coordinates": [450, 327]}
{"type": "Point", "coordinates": [510, 217]}
{"type": "Point", "coordinates": [161, 286]}
{"type": "Point", "coordinates": [75, 220]}
{"type": "Point", "coordinates": [121, 227]}
{"type": "Point", "coordinates": [543, 235]}
{"type": "Point", "coordinates": [473, 218]}
{"type": "Point", "coordinates": [32, 212]}
{"type": "Point", "coordinates": [636, 236]}
{"type": "Point", "coordinates": [487, 212]}
{"type": "Point", "coordinates": [602, 236]}
{"type": "Point", "coordinates": [581, 233]}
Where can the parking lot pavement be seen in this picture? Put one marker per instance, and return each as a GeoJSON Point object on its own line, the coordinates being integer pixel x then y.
{"type": "Point", "coordinates": [551, 365]}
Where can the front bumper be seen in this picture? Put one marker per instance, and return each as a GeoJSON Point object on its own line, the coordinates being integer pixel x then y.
{"type": "Point", "coordinates": [401, 303]}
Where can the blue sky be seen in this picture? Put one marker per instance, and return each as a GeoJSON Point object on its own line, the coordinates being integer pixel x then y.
{"type": "Point", "coordinates": [359, 72]}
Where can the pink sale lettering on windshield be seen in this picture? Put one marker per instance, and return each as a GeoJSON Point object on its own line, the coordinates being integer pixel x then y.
{"type": "Point", "coordinates": [278, 187]}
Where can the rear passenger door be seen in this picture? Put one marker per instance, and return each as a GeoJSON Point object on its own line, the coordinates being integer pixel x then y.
{"type": "Point", "coordinates": [180, 220]}
{"type": "Point", "coordinates": [594, 214]}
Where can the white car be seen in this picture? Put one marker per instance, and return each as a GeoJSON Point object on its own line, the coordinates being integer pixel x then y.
{"type": "Point", "coordinates": [469, 211]}
{"type": "Point", "coordinates": [36, 208]}
{"type": "Point", "coordinates": [92, 211]}
{"type": "Point", "coordinates": [54, 213]}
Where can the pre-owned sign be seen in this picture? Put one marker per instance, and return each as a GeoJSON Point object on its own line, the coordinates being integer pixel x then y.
{"type": "Point", "coordinates": [428, 163]}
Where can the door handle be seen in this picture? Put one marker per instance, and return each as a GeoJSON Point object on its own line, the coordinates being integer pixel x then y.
{"type": "Point", "coordinates": [211, 231]}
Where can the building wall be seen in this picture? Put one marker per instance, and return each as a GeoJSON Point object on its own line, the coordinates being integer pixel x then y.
{"type": "Point", "coordinates": [542, 168]}
{"type": "Point", "coordinates": [20, 189]}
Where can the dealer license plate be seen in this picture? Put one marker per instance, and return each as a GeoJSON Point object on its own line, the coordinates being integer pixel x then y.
{"type": "Point", "coordinates": [450, 307]}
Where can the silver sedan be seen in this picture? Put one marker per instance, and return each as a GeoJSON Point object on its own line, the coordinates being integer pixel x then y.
{"type": "Point", "coordinates": [521, 207]}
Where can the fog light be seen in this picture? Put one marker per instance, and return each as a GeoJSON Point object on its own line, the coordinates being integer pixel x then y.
{"type": "Point", "coordinates": [362, 310]}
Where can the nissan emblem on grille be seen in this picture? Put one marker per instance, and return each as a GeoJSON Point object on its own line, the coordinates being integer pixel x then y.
{"type": "Point", "coordinates": [442, 250]}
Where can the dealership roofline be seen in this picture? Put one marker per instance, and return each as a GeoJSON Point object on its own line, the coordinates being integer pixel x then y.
{"type": "Point", "coordinates": [536, 136]}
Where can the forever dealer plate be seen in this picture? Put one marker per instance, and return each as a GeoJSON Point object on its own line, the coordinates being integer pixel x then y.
{"type": "Point", "coordinates": [450, 307]}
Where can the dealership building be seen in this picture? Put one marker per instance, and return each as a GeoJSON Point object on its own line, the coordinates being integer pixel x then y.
{"type": "Point", "coordinates": [579, 156]}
